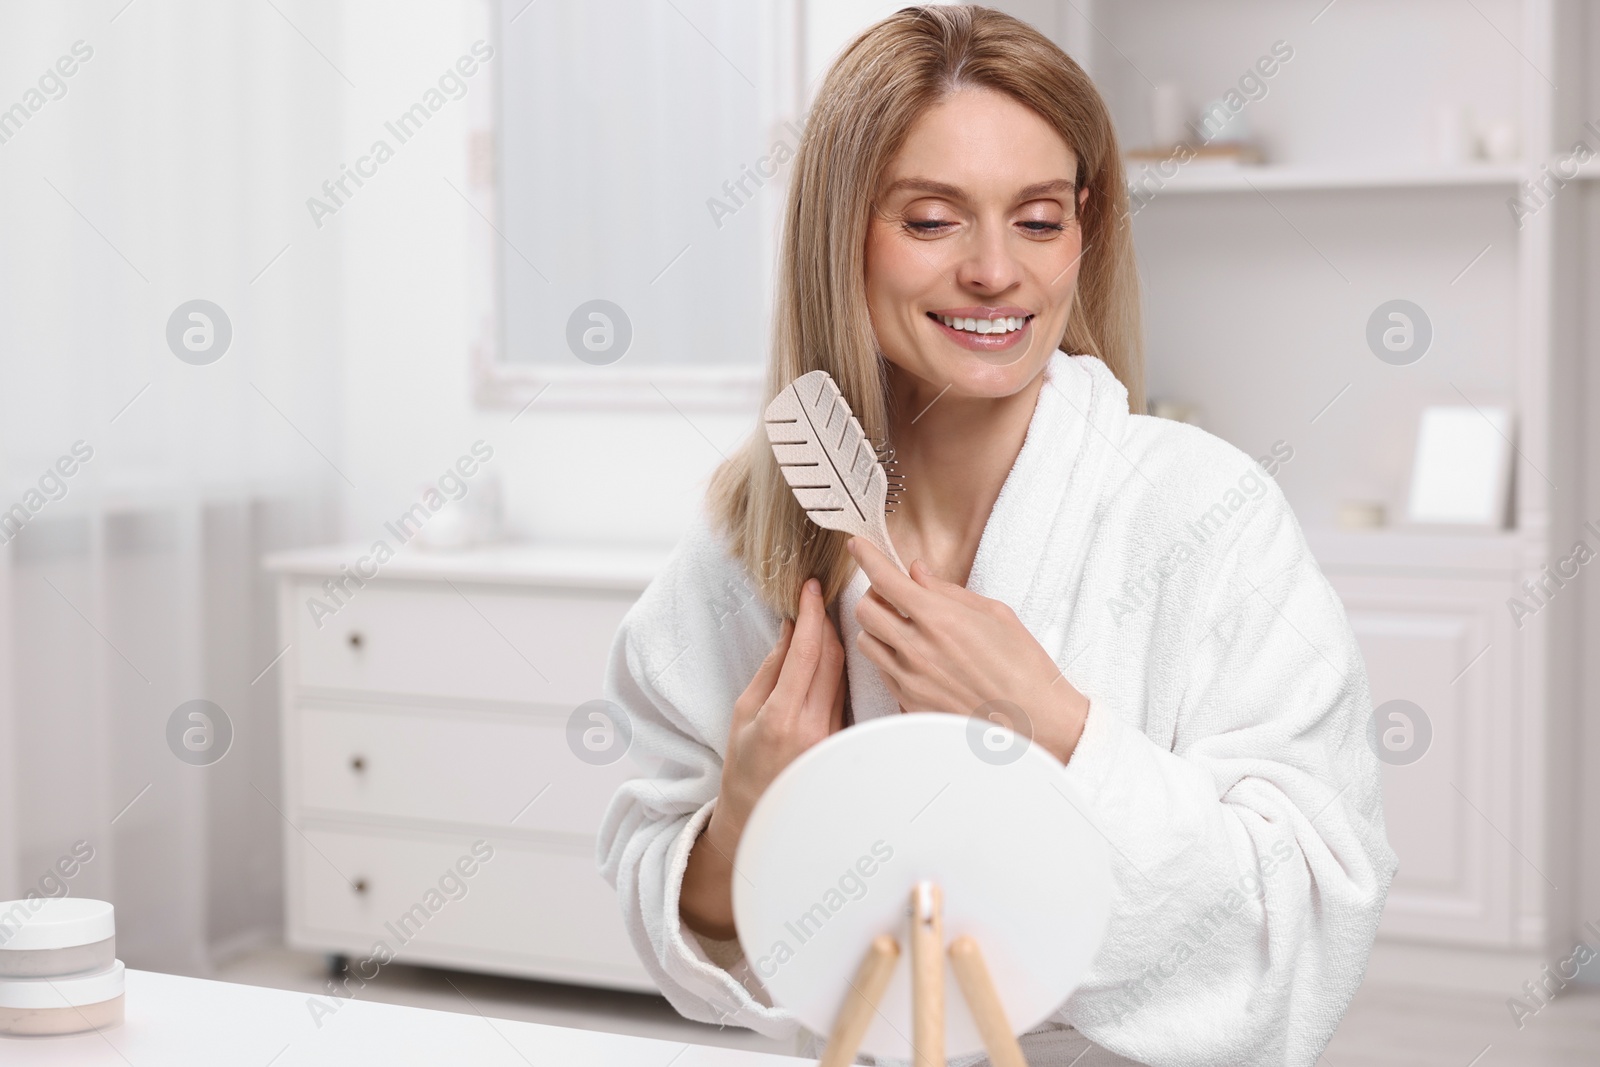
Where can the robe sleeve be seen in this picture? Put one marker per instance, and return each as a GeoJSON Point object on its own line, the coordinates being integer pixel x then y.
{"type": "Point", "coordinates": [682, 656]}
{"type": "Point", "coordinates": [1249, 860]}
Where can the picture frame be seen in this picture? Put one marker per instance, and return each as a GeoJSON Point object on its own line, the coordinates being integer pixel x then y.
{"type": "Point", "coordinates": [1461, 467]}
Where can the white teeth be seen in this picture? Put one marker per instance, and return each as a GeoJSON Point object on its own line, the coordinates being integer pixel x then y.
{"type": "Point", "coordinates": [1005, 324]}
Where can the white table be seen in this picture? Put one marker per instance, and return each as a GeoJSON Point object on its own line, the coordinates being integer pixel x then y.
{"type": "Point", "coordinates": [189, 1022]}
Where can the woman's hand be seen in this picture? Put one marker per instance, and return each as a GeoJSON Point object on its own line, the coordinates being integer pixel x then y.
{"type": "Point", "coordinates": [795, 700]}
{"type": "Point", "coordinates": [949, 649]}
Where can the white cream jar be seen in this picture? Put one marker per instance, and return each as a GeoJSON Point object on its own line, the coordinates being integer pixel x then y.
{"type": "Point", "coordinates": [47, 937]}
{"type": "Point", "coordinates": [66, 1005]}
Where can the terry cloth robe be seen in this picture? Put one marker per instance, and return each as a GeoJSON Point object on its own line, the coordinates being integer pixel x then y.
{"type": "Point", "coordinates": [1225, 753]}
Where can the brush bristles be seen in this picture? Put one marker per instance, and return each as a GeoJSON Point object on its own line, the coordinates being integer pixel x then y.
{"type": "Point", "coordinates": [896, 480]}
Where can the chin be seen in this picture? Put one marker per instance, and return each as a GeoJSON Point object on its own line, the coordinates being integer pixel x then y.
{"type": "Point", "coordinates": [975, 375]}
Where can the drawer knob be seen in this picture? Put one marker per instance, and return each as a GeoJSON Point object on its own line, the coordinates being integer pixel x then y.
{"type": "Point", "coordinates": [359, 885]}
{"type": "Point", "coordinates": [358, 763]}
{"type": "Point", "coordinates": [355, 638]}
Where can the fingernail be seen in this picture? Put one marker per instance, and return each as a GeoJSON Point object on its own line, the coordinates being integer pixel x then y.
{"type": "Point", "coordinates": [850, 546]}
{"type": "Point", "coordinates": [813, 586]}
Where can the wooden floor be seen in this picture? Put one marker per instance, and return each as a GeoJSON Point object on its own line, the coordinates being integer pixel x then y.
{"type": "Point", "coordinates": [1386, 1026]}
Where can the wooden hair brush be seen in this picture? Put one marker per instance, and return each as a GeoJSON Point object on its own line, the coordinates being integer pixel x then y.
{"type": "Point", "coordinates": [837, 474]}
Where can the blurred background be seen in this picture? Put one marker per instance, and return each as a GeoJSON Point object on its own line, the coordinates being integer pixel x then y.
{"type": "Point", "coordinates": [360, 362]}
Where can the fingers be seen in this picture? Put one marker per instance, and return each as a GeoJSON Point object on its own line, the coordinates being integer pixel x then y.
{"type": "Point", "coordinates": [881, 620]}
{"type": "Point", "coordinates": [903, 645]}
{"type": "Point", "coordinates": [827, 686]}
{"type": "Point", "coordinates": [924, 576]}
{"type": "Point", "coordinates": [961, 594]}
{"type": "Point", "coordinates": [836, 714]}
{"type": "Point", "coordinates": [883, 657]}
{"type": "Point", "coordinates": [897, 588]}
{"type": "Point", "coordinates": [805, 650]}
{"type": "Point", "coordinates": [880, 655]}
{"type": "Point", "coordinates": [766, 676]}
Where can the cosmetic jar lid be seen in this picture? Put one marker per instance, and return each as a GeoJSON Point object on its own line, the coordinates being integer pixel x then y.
{"type": "Point", "coordinates": [73, 992]}
{"type": "Point", "coordinates": [55, 922]}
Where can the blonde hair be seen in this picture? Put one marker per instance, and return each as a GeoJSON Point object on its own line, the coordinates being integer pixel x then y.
{"type": "Point", "coordinates": [873, 94]}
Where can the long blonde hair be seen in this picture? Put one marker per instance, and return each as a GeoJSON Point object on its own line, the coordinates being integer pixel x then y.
{"type": "Point", "coordinates": [873, 94]}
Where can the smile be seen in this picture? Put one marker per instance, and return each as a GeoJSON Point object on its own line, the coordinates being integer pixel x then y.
{"type": "Point", "coordinates": [1003, 324]}
{"type": "Point", "coordinates": [985, 330]}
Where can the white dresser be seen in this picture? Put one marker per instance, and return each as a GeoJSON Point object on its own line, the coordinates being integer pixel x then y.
{"type": "Point", "coordinates": [1429, 612]}
{"type": "Point", "coordinates": [425, 713]}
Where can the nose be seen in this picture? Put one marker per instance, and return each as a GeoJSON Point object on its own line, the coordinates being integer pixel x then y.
{"type": "Point", "coordinates": [987, 264]}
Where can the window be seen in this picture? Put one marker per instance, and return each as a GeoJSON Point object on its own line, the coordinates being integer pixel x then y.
{"type": "Point", "coordinates": [632, 168]}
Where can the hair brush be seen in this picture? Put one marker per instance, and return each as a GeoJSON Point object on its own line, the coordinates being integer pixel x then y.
{"type": "Point", "coordinates": [838, 476]}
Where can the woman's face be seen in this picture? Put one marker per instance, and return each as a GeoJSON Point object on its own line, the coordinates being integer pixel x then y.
{"type": "Point", "coordinates": [975, 220]}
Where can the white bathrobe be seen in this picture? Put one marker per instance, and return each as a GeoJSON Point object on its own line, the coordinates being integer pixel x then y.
{"type": "Point", "coordinates": [1225, 753]}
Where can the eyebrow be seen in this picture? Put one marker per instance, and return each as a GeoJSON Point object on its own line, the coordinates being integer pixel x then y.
{"type": "Point", "coordinates": [951, 192]}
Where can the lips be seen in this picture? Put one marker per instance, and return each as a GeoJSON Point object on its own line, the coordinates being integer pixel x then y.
{"type": "Point", "coordinates": [985, 342]}
{"type": "Point", "coordinates": [973, 311]}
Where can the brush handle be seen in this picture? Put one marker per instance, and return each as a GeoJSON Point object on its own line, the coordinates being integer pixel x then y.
{"type": "Point", "coordinates": [880, 538]}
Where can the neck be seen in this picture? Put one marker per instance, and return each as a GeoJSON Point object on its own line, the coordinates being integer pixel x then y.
{"type": "Point", "coordinates": [954, 454]}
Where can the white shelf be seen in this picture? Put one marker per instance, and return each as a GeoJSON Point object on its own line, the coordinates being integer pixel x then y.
{"type": "Point", "coordinates": [1220, 178]}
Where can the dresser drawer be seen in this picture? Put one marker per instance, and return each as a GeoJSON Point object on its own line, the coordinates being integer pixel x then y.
{"type": "Point", "coordinates": [524, 909]}
{"type": "Point", "coordinates": [464, 767]}
{"type": "Point", "coordinates": [426, 638]}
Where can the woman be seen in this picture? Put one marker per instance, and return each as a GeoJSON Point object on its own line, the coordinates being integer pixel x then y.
{"type": "Point", "coordinates": [957, 256]}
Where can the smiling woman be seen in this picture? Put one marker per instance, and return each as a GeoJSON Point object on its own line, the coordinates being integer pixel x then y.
{"type": "Point", "coordinates": [957, 257]}
{"type": "Point", "coordinates": [993, 173]}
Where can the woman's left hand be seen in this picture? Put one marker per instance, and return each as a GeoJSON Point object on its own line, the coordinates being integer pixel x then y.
{"type": "Point", "coordinates": [950, 649]}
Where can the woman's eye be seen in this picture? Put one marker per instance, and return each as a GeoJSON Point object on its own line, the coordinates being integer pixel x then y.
{"type": "Point", "coordinates": [1036, 226]}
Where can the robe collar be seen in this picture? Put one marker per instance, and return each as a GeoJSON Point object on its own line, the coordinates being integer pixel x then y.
{"type": "Point", "coordinates": [1030, 555]}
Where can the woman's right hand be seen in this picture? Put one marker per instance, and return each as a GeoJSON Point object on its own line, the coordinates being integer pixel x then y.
{"type": "Point", "coordinates": [795, 700]}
